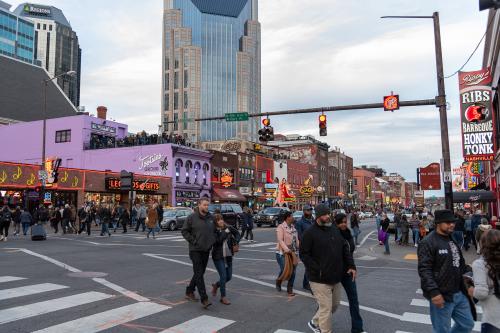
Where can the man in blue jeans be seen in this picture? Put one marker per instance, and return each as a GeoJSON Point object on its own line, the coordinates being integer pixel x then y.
{"type": "Point", "coordinates": [441, 267]}
{"type": "Point", "coordinates": [302, 225]}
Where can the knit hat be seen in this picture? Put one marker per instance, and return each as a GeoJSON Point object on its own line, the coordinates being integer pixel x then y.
{"type": "Point", "coordinates": [322, 210]}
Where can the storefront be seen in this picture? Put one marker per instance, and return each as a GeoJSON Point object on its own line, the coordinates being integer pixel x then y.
{"type": "Point", "coordinates": [474, 200]}
{"type": "Point", "coordinates": [227, 195]}
{"type": "Point", "coordinates": [20, 186]}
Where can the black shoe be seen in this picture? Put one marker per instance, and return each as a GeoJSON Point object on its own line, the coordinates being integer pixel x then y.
{"type": "Point", "coordinates": [278, 285]}
{"type": "Point", "coordinates": [205, 303]}
{"type": "Point", "coordinates": [308, 288]}
{"type": "Point", "coordinates": [191, 297]}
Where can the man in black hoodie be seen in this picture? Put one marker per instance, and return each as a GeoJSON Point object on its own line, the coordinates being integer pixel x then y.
{"type": "Point", "coordinates": [327, 258]}
{"type": "Point", "coordinates": [199, 231]}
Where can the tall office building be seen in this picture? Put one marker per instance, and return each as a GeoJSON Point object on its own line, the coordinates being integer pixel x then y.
{"type": "Point", "coordinates": [56, 46]}
{"type": "Point", "coordinates": [16, 35]}
{"type": "Point", "coordinates": [211, 66]}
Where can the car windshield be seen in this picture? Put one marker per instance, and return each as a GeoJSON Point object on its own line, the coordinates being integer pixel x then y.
{"type": "Point", "coordinates": [170, 213]}
{"type": "Point", "coordinates": [237, 209]}
{"type": "Point", "coordinates": [212, 208]}
{"type": "Point", "coordinates": [297, 214]}
{"type": "Point", "coordinates": [271, 210]}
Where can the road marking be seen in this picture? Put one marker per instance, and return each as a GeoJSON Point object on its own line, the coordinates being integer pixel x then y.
{"type": "Point", "coordinates": [426, 319]}
{"type": "Point", "coordinates": [286, 331]}
{"type": "Point", "coordinates": [365, 238]}
{"type": "Point", "coordinates": [179, 240]}
{"type": "Point", "coordinates": [169, 237]}
{"type": "Point", "coordinates": [54, 261]}
{"type": "Point", "coordinates": [29, 290]}
{"type": "Point", "coordinates": [402, 332]}
{"type": "Point", "coordinates": [36, 309]}
{"type": "Point", "coordinates": [411, 256]}
{"type": "Point", "coordinates": [425, 303]}
{"type": "Point", "coordinates": [104, 282]}
{"type": "Point", "coordinates": [203, 324]}
{"type": "Point", "coordinates": [367, 258]}
{"type": "Point", "coordinates": [393, 268]}
{"type": "Point", "coordinates": [10, 278]}
{"type": "Point", "coordinates": [298, 292]}
{"type": "Point", "coordinates": [108, 319]}
{"type": "Point", "coordinates": [257, 245]}
{"type": "Point", "coordinates": [121, 290]}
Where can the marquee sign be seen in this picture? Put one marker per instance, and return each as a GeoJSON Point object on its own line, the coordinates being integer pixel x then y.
{"type": "Point", "coordinates": [114, 184]}
{"type": "Point", "coordinates": [226, 178]}
{"type": "Point", "coordinates": [477, 117]}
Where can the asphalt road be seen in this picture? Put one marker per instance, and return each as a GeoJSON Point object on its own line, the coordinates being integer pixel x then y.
{"type": "Point", "coordinates": [127, 283]}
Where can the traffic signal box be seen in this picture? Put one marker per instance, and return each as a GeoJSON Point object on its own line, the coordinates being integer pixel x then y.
{"type": "Point", "coordinates": [322, 125]}
{"type": "Point", "coordinates": [267, 132]}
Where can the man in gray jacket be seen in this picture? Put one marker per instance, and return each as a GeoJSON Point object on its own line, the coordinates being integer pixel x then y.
{"type": "Point", "coordinates": [199, 231]}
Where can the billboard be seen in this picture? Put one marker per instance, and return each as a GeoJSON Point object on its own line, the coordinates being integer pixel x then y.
{"type": "Point", "coordinates": [430, 177]}
{"type": "Point", "coordinates": [476, 115]}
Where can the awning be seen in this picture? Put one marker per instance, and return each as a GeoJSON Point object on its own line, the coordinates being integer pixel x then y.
{"type": "Point", "coordinates": [474, 196]}
{"type": "Point", "coordinates": [228, 195]}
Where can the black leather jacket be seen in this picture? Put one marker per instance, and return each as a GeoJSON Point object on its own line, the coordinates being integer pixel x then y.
{"type": "Point", "coordinates": [439, 268]}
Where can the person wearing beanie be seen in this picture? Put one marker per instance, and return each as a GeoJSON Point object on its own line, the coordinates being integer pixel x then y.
{"type": "Point", "coordinates": [441, 267]}
{"type": "Point", "coordinates": [327, 258]}
{"type": "Point", "coordinates": [302, 225]}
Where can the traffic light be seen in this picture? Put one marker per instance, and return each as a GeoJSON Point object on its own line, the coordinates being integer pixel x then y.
{"type": "Point", "coordinates": [267, 132]}
{"type": "Point", "coordinates": [322, 125]}
{"type": "Point", "coordinates": [486, 4]}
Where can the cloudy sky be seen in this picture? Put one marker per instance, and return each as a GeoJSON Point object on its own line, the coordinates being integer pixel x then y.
{"type": "Point", "coordinates": [314, 53]}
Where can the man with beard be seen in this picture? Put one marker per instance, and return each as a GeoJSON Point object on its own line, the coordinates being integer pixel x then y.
{"type": "Point", "coordinates": [199, 231]}
{"type": "Point", "coordinates": [441, 266]}
{"type": "Point", "coordinates": [327, 258]}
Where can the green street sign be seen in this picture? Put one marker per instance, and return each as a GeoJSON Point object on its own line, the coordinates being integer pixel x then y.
{"type": "Point", "coordinates": [240, 116]}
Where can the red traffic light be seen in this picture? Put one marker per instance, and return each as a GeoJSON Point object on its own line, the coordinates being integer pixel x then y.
{"type": "Point", "coordinates": [266, 121]}
{"type": "Point", "coordinates": [391, 102]}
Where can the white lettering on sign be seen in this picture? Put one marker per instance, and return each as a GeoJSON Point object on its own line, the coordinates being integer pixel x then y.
{"type": "Point", "coordinates": [483, 127]}
{"type": "Point", "coordinates": [146, 161]}
{"type": "Point", "coordinates": [476, 96]}
{"type": "Point", "coordinates": [475, 78]}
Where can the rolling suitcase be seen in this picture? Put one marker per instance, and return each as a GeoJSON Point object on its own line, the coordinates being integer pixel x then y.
{"type": "Point", "coordinates": [38, 232]}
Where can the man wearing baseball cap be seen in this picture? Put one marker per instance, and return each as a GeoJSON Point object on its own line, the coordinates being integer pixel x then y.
{"type": "Point", "coordinates": [327, 258]}
{"type": "Point", "coordinates": [441, 267]}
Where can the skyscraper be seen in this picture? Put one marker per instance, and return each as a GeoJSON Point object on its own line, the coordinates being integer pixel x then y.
{"type": "Point", "coordinates": [211, 66]}
{"type": "Point", "coordinates": [56, 46]}
{"type": "Point", "coordinates": [16, 35]}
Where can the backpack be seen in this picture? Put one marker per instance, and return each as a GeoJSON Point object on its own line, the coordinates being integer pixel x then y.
{"type": "Point", "coordinates": [6, 215]}
{"type": "Point", "coordinates": [43, 214]}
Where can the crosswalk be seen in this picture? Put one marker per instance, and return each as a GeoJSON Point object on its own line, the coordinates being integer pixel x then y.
{"type": "Point", "coordinates": [421, 314]}
{"type": "Point", "coordinates": [93, 323]}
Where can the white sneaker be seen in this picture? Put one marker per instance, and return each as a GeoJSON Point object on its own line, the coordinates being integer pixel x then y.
{"type": "Point", "coordinates": [313, 327]}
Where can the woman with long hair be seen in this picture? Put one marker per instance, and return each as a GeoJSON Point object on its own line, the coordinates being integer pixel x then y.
{"type": "Point", "coordinates": [487, 281]}
{"type": "Point", "coordinates": [226, 238]}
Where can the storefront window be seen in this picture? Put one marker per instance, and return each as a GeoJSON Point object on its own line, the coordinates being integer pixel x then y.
{"type": "Point", "coordinates": [189, 166]}
{"type": "Point", "coordinates": [205, 171]}
{"type": "Point", "coordinates": [197, 167]}
{"type": "Point", "coordinates": [178, 165]}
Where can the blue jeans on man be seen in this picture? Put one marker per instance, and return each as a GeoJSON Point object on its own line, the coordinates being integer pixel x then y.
{"type": "Point", "coordinates": [399, 234]}
{"type": "Point", "coordinates": [352, 296]}
{"type": "Point", "coordinates": [105, 228]}
{"type": "Point", "coordinates": [26, 227]}
{"type": "Point", "coordinates": [458, 310]}
{"type": "Point", "coordinates": [225, 270]}
{"type": "Point", "coordinates": [416, 235]}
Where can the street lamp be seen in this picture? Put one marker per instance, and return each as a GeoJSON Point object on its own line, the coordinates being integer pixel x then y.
{"type": "Point", "coordinates": [441, 104]}
{"type": "Point", "coordinates": [44, 115]}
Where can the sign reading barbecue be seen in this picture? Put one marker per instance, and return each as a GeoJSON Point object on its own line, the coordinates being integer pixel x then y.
{"type": "Point", "coordinates": [477, 116]}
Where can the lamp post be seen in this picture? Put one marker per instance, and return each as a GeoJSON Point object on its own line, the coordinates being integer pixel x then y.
{"type": "Point", "coordinates": [44, 115]}
{"type": "Point", "coordinates": [441, 104]}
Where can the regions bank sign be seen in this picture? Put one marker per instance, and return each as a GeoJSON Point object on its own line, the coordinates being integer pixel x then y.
{"type": "Point", "coordinates": [30, 9]}
{"type": "Point", "coordinates": [477, 116]}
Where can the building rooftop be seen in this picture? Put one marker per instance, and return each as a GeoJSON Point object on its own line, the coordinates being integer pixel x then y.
{"type": "Point", "coordinates": [230, 8]}
{"type": "Point", "coordinates": [36, 11]}
{"type": "Point", "coordinates": [21, 93]}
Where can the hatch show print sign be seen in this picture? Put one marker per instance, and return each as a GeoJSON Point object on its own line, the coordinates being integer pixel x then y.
{"type": "Point", "coordinates": [477, 115]}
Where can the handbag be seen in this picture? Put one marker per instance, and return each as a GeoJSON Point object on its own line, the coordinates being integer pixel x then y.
{"type": "Point", "coordinates": [382, 235]}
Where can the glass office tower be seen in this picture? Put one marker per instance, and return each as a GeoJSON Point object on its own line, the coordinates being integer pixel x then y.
{"type": "Point", "coordinates": [16, 35]}
{"type": "Point", "coordinates": [211, 66]}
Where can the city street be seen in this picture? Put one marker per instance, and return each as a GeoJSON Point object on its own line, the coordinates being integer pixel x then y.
{"type": "Point", "coordinates": [127, 283]}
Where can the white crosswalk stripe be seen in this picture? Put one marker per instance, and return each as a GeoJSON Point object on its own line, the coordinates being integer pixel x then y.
{"type": "Point", "coordinates": [203, 324]}
{"type": "Point", "coordinates": [425, 303]}
{"type": "Point", "coordinates": [10, 278]}
{"type": "Point", "coordinates": [29, 290]}
{"type": "Point", "coordinates": [108, 319]}
{"type": "Point", "coordinates": [257, 245]}
{"type": "Point", "coordinates": [286, 331]}
{"type": "Point", "coordinates": [36, 309]}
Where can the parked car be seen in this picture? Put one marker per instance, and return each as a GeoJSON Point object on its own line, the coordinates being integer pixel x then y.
{"type": "Point", "coordinates": [368, 215]}
{"type": "Point", "coordinates": [297, 215]}
{"type": "Point", "coordinates": [232, 213]}
{"type": "Point", "coordinates": [338, 211]}
{"type": "Point", "coordinates": [174, 218]}
{"type": "Point", "coordinates": [271, 216]}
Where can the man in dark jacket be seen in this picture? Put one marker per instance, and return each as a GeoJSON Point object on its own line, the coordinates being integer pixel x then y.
{"type": "Point", "coordinates": [5, 219]}
{"type": "Point", "coordinates": [441, 266]}
{"type": "Point", "coordinates": [327, 258]}
{"type": "Point", "coordinates": [199, 231]}
{"type": "Point", "coordinates": [302, 225]}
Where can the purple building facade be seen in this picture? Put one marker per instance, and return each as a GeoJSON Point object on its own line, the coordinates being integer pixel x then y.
{"type": "Point", "coordinates": [75, 140]}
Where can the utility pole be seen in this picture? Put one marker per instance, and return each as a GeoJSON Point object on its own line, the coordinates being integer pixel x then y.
{"type": "Point", "coordinates": [441, 104]}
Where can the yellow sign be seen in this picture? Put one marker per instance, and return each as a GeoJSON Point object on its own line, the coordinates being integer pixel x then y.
{"type": "Point", "coordinates": [306, 191]}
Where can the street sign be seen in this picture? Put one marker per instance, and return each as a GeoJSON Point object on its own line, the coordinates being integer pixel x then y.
{"type": "Point", "coordinates": [47, 198]}
{"type": "Point", "coordinates": [239, 116]}
{"type": "Point", "coordinates": [430, 177]}
{"type": "Point", "coordinates": [391, 102]}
